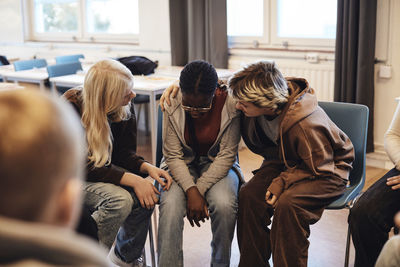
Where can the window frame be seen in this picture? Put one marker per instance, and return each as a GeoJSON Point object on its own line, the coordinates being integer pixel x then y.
{"type": "Point", "coordinates": [255, 40]}
{"type": "Point", "coordinates": [271, 38]}
{"type": "Point", "coordinates": [284, 41]}
{"type": "Point", "coordinates": [81, 35]}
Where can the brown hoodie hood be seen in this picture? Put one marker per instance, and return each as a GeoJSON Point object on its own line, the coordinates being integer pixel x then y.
{"type": "Point", "coordinates": [302, 102]}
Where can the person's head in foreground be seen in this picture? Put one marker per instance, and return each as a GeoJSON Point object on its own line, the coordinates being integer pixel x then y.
{"type": "Point", "coordinates": [260, 89]}
{"type": "Point", "coordinates": [107, 94]}
{"type": "Point", "coordinates": [41, 159]}
{"type": "Point", "coordinates": [198, 82]}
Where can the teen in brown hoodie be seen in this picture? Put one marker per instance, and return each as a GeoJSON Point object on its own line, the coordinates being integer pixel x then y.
{"type": "Point", "coordinates": [307, 160]}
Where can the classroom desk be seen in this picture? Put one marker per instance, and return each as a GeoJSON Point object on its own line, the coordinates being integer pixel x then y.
{"type": "Point", "coordinates": [146, 85]}
{"type": "Point", "coordinates": [5, 69]}
{"type": "Point", "coordinates": [72, 80]}
{"type": "Point", "coordinates": [9, 86]}
{"type": "Point", "coordinates": [30, 76]}
{"type": "Point", "coordinates": [175, 71]}
{"type": "Point", "coordinates": [39, 76]}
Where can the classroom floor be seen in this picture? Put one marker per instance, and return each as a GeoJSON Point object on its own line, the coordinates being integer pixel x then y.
{"type": "Point", "coordinates": [327, 240]}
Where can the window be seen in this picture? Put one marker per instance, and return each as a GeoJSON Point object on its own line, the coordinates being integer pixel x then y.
{"type": "Point", "coordinates": [246, 20]}
{"type": "Point", "coordinates": [84, 20]}
{"type": "Point", "coordinates": [282, 22]}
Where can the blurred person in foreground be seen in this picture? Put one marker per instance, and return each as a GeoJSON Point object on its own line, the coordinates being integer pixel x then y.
{"type": "Point", "coordinates": [41, 162]}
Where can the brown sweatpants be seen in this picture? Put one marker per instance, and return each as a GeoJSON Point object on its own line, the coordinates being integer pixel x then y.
{"type": "Point", "coordinates": [298, 206]}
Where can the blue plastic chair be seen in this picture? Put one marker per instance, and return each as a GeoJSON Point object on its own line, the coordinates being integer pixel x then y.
{"type": "Point", "coordinates": [353, 120]}
{"type": "Point", "coordinates": [68, 58]}
{"type": "Point", "coordinates": [29, 64]}
{"type": "Point", "coordinates": [63, 69]}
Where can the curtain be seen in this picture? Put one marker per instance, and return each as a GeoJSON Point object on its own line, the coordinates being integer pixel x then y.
{"type": "Point", "coordinates": [355, 55]}
{"type": "Point", "coordinates": [198, 31]}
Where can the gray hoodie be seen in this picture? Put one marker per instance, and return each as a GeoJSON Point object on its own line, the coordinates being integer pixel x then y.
{"type": "Point", "coordinates": [178, 155]}
{"type": "Point", "coordinates": [35, 244]}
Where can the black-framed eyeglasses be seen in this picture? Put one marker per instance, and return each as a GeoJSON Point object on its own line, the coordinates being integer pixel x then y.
{"type": "Point", "coordinates": [194, 109]}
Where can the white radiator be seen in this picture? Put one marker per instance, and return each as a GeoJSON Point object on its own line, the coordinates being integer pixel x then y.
{"type": "Point", "coordinates": [320, 77]}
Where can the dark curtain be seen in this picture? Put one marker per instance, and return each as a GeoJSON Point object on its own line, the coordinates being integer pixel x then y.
{"type": "Point", "coordinates": [354, 56]}
{"type": "Point", "coordinates": [198, 31]}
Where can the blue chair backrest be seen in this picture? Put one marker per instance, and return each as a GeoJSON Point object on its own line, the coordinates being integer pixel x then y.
{"type": "Point", "coordinates": [68, 58]}
{"type": "Point", "coordinates": [63, 69]}
{"type": "Point", "coordinates": [159, 154]}
{"type": "Point", "coordinates": [352, 119]}
{"type": "Point", "coordinates": [29, 64]}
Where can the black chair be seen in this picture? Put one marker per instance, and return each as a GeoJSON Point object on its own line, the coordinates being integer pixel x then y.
{"type": "Point", "coordinates": [4, 61]}
{"type": "Point", "coordinates": [353, 120]}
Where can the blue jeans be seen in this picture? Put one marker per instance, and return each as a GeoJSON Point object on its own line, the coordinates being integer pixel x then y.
{"type": "Point", "coordinates": [117, 210]}
{"type": "Point", "coordinates": [222, 204]}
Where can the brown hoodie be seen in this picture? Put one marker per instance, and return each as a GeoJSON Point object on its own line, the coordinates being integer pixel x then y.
{"type": "Point", "coordinates": [310, 144]}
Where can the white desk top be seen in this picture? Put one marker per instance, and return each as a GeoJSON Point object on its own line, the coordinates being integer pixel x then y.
{"type": "Point", "coordinates": [5, 69]}
{"type": "Point", "coordinates": [33, 74]}
{"type": "Point", "coordinates": [73, 79]}
{"type": "Point", "coordinates": [175, 71]}
{"type": "Point", "coordinates": [161, 79]}
{"type": "Point", "coordinates": [150, 83]}
{"type": "Point", "coordinates": [10, 86]}
{"type": "Point", "coordinates": [40, 74]}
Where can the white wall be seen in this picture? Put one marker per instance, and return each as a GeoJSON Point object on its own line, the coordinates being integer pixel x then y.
{"type": "Point", "coordinates": [154, 42]}
{"type": "Point", "coordinates": [386, 90]}
{"type": "Point", "coordinates": [11, 26]}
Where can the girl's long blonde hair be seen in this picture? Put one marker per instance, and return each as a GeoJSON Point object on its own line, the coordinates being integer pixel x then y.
{"type": "Point", "coordinates": [106, 84]}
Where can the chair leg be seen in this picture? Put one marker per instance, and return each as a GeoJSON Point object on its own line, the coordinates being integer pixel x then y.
{"type": "Point", "coordinates": [146, 117]}
{"type": "Point", "coordinates": [144, 257]}
{"type": "Point", "coordinates": [138, 114]}
{"type": "Point", "coordinates": [346, 257]}
{"type": "Point", "coordinates": [152, 252]}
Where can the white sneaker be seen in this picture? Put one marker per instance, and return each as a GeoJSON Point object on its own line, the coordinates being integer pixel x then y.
{"type": "Point", "coordinates": [117, 262]}
{"type": "Point", "coordinates": [139, 262]}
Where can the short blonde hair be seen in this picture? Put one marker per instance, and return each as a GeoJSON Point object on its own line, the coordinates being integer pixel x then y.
{"type": "Point", "coordinates": [104, 88]}
{"type": "Point", "coordinates": [41, 147]}
{"type": "Point", "coordinates": [262, 84]}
